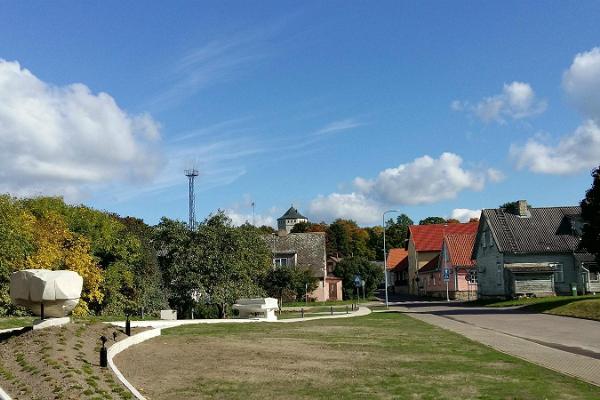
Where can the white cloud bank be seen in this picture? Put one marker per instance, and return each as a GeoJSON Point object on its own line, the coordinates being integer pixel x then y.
{"type": "Point", "coordinates": [517, 101]}
{"type": "Point", "coordinates": [576, 152]}
{"type": "Point", "coordinates": [425, 180]}
{"type": "Point", "coordinates": [579, 150]}
{"type": "Point", "coordinates": [238, 218]}
{"type": "Point", "coordinates": [56, 140]}
{"type": "Point", "coordinates": [355, 206]}
{"type": "Point", "coordinates": [581, 82]}
{"type": "Point", "coordinates": [465, 214]}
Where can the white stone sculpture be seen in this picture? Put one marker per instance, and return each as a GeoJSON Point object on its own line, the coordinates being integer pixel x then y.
{"type": "Point", "coordinates": [249, 307]}
{"type": "Point", "coordinates": [59, 291]}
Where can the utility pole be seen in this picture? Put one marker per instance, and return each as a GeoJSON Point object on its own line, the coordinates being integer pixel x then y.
{"type": "Point", "coordinates": [191, 174]}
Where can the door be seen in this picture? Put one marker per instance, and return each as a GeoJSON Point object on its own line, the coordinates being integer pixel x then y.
{"type": "Point", "coordinates": [333, 291]}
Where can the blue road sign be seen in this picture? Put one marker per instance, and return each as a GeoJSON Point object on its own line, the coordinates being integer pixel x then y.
{"type": "Point", "coordinates": [446, 274]}
{"type": "Point", "coordinates": [357, 281]}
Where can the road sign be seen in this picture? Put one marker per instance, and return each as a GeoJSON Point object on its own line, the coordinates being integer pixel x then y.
{"type": "Point", "coordinates": [357, 280]}
{"type": "Point", "coordinates": [446, 274]}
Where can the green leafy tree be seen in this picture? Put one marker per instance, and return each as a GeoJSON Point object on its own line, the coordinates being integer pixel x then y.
{"type": "Point", "coordinates": [432, 220]}
{"type": "Point", "coordinates": [217, 262]}
{"type": "Point", "coordinates": [396, 233]}
{"type": "Point", "coordinates": [16, 244]}
{"type": "Point", "coordinates": [590, 213]}
{"type": "Point", "coordinates": [346, 269]}
{"type": "Point", "coordinates": [286, 283]}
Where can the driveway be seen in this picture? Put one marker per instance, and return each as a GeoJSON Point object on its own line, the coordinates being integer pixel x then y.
{"type": "Point", "coordinates": [567, 345]}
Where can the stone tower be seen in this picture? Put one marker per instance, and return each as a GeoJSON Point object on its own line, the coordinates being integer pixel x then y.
{"type": "Point", "coordinates": [286, 222]}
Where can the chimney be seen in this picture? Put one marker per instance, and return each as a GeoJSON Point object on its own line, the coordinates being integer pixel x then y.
{"type": "Point", "coordinates": [522, 208]}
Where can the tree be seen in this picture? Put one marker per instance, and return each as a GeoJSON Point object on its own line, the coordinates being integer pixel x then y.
{"type": "Point", "coordinates": [16, 243]}
{"type": "Point", "coordinates": [217, 262]}
{"type": "Point", "coordinates": [300, 227]}
{"type": "Point", "coordinates": [285, 283]}
{"type": "Point", "coordinates": [346, 269]}
{"type": "Point", "coordinates": [148, 290]}
{"type": "Point", "coordinates": [511, 207]}
{"type": "Point", "coordinates": [432, 220]}
{"type": "Point", "coordinates": [590, 213]}
{"type": "Point", "coordinates": [396, 232]}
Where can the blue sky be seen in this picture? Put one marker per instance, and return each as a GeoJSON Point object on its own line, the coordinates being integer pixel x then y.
{"type": "Point", "coordinates": [344, 109]}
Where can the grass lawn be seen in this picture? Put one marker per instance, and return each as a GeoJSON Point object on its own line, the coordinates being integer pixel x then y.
{"type": "Point", "coordinates": [379, 356]}
{"type": "Point", "coordinates": [15, 322]}
{"type": "Point", "coordinates": [570, 306]}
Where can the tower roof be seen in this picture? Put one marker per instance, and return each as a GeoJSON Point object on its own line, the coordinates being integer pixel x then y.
{"type": "Point", "coordinates": [292, 213]}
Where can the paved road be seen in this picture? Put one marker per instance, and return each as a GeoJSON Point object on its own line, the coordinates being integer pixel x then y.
{"type": "Point", "coordinates": [567, 345]}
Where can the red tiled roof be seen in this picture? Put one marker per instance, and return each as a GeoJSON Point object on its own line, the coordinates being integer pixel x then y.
{"type": "Point", "coordinates": [460, 247]}
{"type": "Point", "coordinates": [431, 265]}
{"type": "Point", "coordinates": [395, 256]}
{"type": "Point", "coordinates": [402, 265]}
{"type": "Point", "coordinates": [429, 237]}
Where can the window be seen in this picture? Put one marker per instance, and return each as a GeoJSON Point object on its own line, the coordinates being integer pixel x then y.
{"type": "Point", "coordinates": [499, 275]}
{"type": "Point", "coordinates": [594, 276]}
{"type": "Point", "coordinates": [483, 244]}
{"type": "Point", "coordinates": [280, 262]}
{"type": "Point", "coordinates": [559, 275]}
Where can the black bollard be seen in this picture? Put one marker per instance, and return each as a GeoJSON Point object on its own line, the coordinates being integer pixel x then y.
{"type": "Point", "coordinates": [103, 353]}
{"type": "Point", "coordinates": [42, 311]}
{"type": "Point", "coordinates": [128, 327]}
{"type": "Point", "coordinates": [346, 309]}
{"type": "Point", "coordinates": [331, 310]}
{"type": "Point", "coordinates": [302, 312]}
{"type": "Point", "coordinates": [115, 336]}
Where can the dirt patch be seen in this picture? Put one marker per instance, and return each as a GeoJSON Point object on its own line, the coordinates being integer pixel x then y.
{"type": "Point", "coordinates": [59, 363]}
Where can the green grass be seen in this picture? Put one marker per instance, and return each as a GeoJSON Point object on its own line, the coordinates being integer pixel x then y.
{"type": "Point", "coordinates": [382, 355]}
{"type": "Point", "coordinates": [15, 322]}
{"type": "Point", "coordinates": [570, 306]}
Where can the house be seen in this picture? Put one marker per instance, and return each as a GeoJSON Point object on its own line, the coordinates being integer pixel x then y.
{"type": "Point", "coordinates": [424, 243]}
{"type": "Point", "coordinates": [306, 251]}
{"type": "Point", "coordinates": [397, 270]}
{"type": "Point", "coordinates": [455, 256]}
{"type": "Point", "coordinates": [291, 217]}
{"type": "Point", "coordinates": [532, 252]}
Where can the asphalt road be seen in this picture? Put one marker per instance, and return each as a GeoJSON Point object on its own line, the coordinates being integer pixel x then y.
{"type": "Point", "coordinates": [574, 335]}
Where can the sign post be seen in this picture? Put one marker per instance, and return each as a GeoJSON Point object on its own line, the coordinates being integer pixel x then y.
{"type": "Point", "coordinates": [446, 279]}
{"type": "Point", "coordinates": [357, 283]}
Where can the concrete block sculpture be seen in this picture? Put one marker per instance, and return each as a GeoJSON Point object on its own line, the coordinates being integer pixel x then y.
{"type": "Point", "coordinates": [251, 307]}
{"type": "Point", "coordinates": [57, 292]}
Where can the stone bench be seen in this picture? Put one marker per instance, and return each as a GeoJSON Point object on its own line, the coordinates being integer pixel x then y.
{"type": "Point", "coordinates": [248, 308]}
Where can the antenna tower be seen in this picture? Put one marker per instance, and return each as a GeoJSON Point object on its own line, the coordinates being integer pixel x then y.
{"type": "Point", "coordinates": [191, 174]}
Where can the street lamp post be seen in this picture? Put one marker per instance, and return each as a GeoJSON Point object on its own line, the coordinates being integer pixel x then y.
{"type": "Point", "coordinates": [385, 258]}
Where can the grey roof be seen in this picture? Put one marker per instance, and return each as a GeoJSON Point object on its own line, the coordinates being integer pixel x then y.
{"type": "Point", "coordinates": [547, 230]}
{"type": "Point", "coordinates": [292, 213]}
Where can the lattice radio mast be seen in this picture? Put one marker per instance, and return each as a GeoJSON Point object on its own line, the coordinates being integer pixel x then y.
{"type": "Point", "coordinates": [191, 174]}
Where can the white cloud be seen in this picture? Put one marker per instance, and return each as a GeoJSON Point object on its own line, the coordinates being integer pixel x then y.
{"type": "Point", "coordinates": [517, 101]}
{"type": "Point", "coordinates": [57, 140]}
{"type": "Point", "coordinates": [495, 175]}
{"type": "Point", "coordinates": [575, 152]}
{"type": "Point", "coordinates": [422, 181]}
{"type": "Point", "coordinates": [341, 125]}
{"type": "Point", "coordinates": [581, 82]}
{"type": "Point", "coordinates": [354, 206]}
{"type": "Point", "coordinates": [238, 218]}
{"type": "Point", "coordinates": [464, 214]}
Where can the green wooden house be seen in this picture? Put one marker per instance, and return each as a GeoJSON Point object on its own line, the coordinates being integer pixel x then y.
{"type": "Point", "coordinates": [532, 252]}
